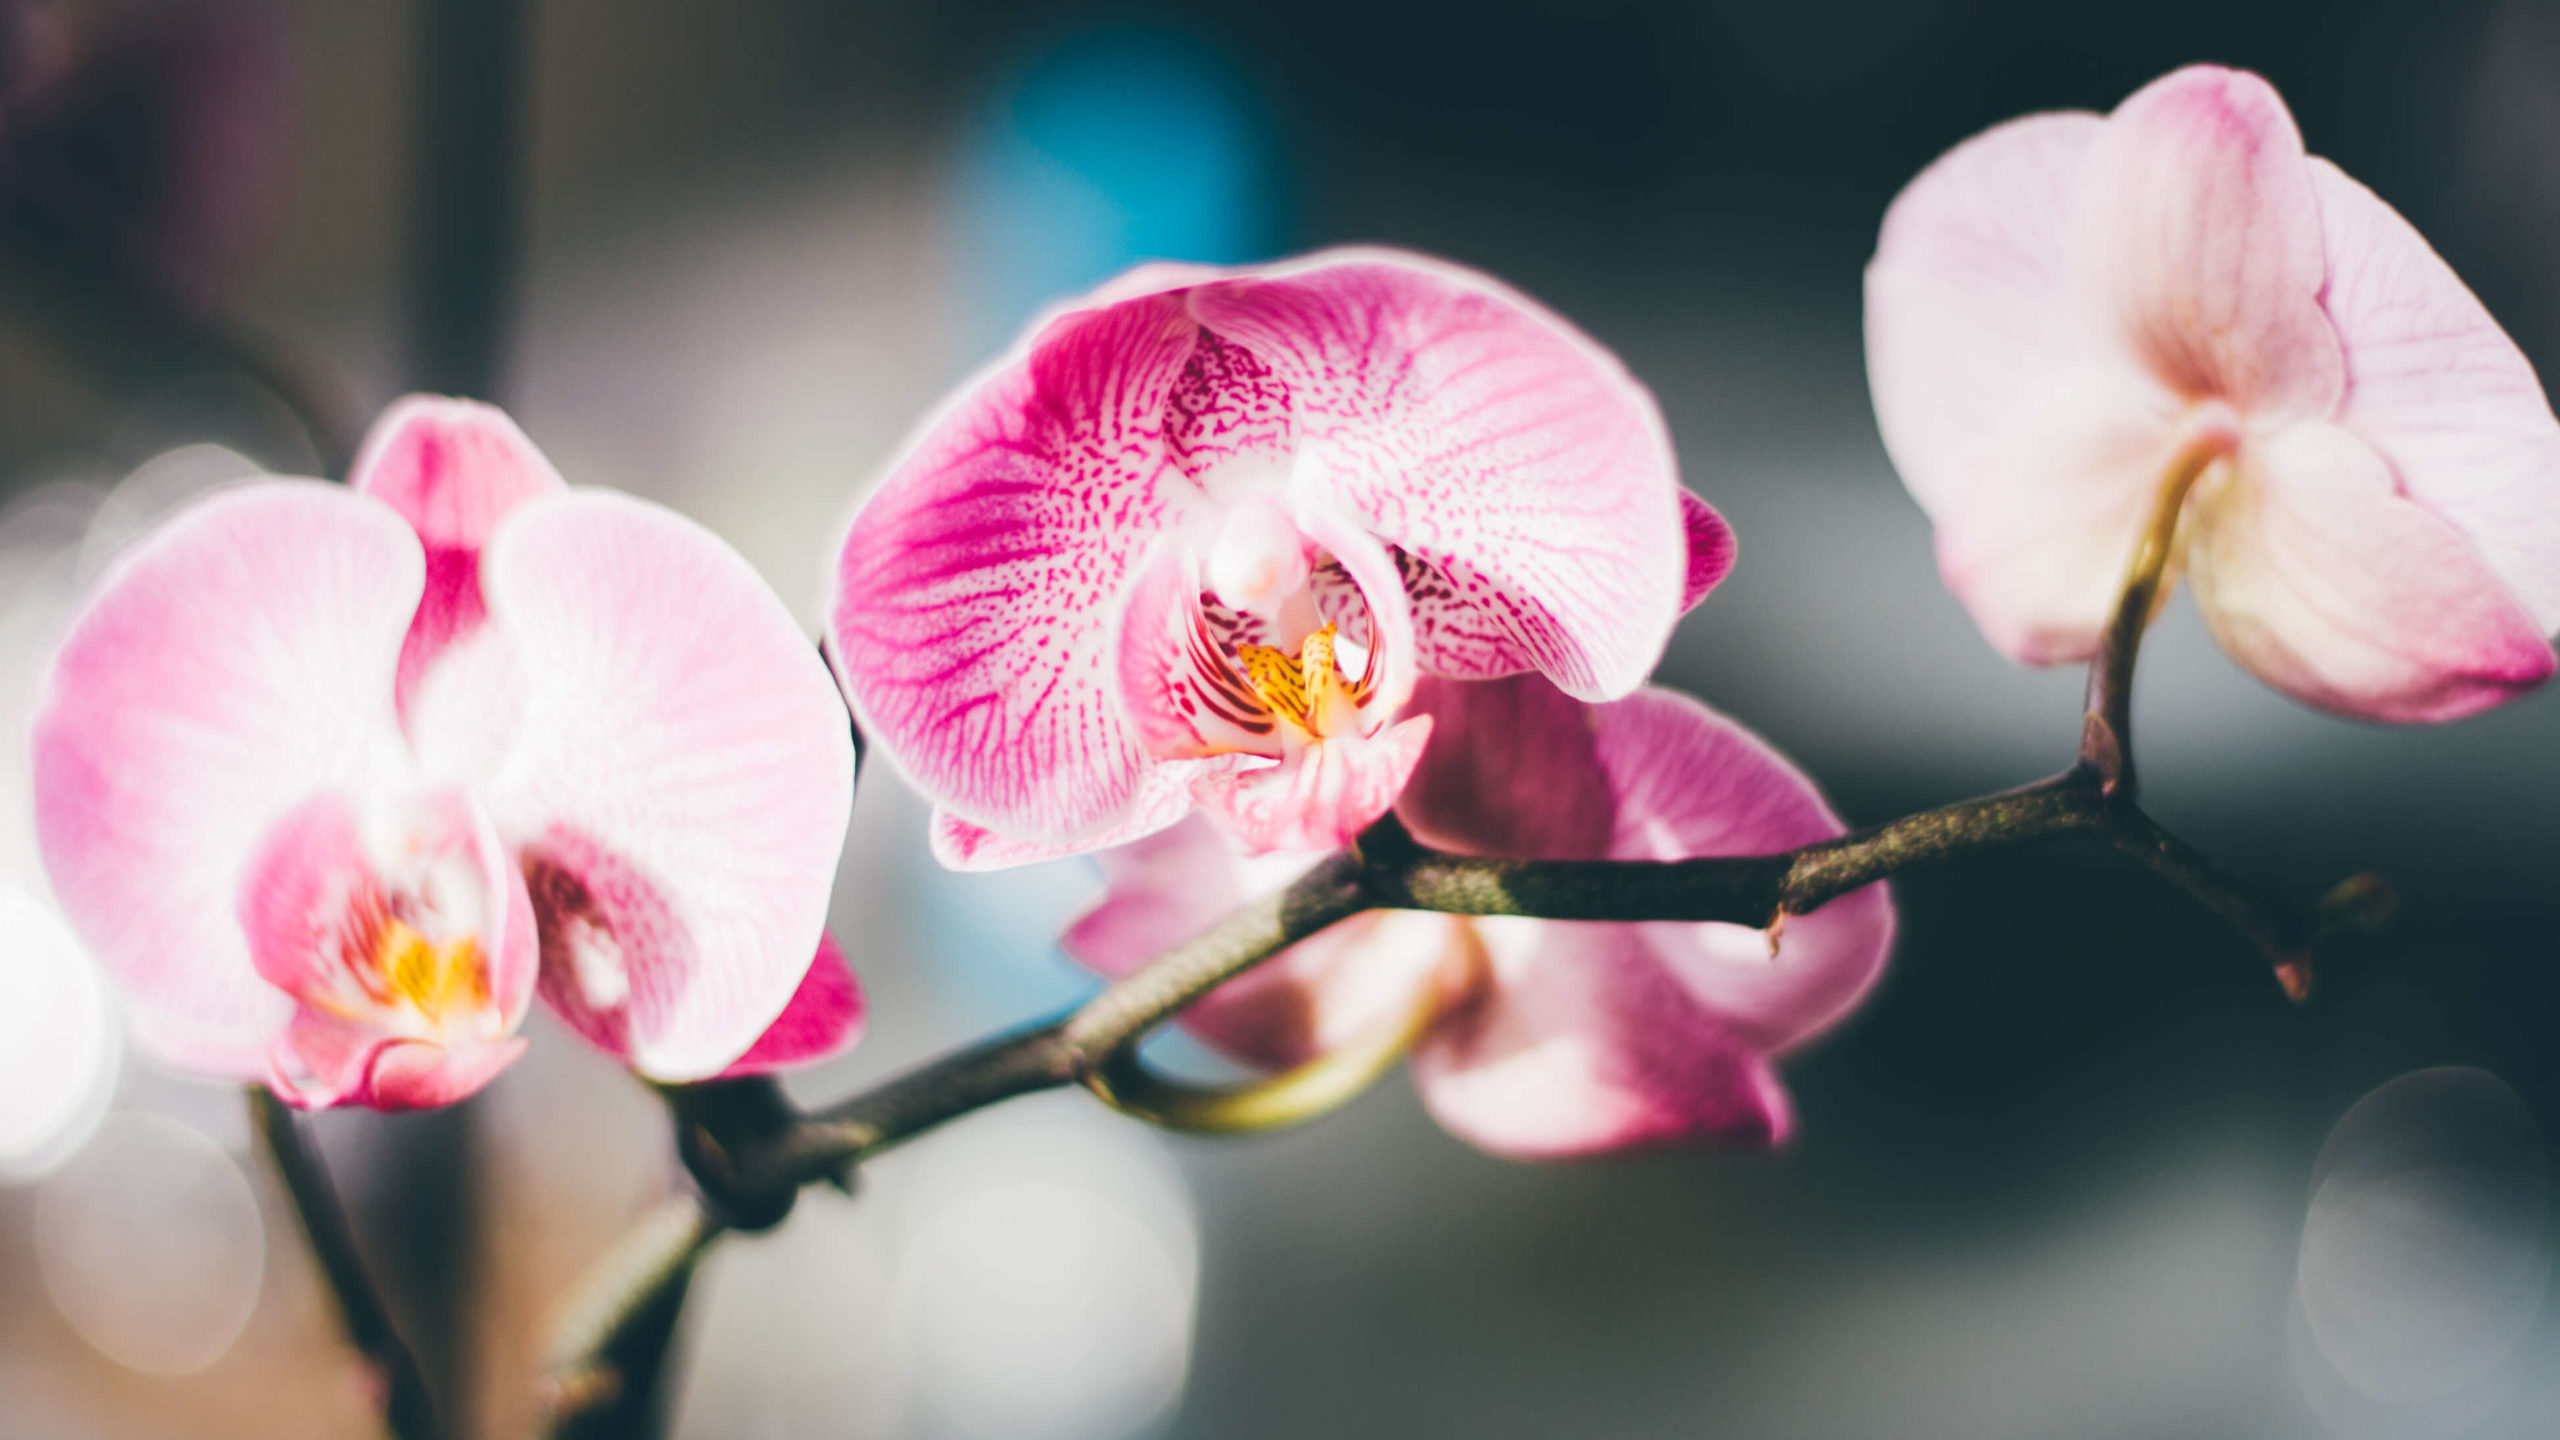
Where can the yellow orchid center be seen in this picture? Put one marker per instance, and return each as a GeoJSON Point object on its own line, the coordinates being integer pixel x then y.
{"type": "Point", "coordinates": [1308, 690]}
{"type": "Point", "coordinates": [399, 966]}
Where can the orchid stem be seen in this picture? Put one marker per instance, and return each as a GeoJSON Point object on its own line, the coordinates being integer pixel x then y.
{"type": "Point", "coordinates": [2106, 732]}
{"type": "Point", "coordinates": [607, 1375]}
{"type": "Point", "coordinates": [408, 1410]}
{"type": "Point", "coordinates": [1292, 1097]}
{"type": "Point", "coordinates": [751, 1152]}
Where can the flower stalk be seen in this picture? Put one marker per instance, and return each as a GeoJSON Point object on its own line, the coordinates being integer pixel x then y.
{"type": "Point", "coordinates": [408, 1411]}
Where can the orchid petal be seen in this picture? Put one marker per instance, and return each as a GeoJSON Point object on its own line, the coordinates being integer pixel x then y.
{"type": "Point", "coordinates": [1585, 1044]}
{"type": "Point", "coordinates": [1182, 696]}
{"type": "Point", "coordinates": [1488, 439]}
{"type": "Point", "coordinates": [823, 1020]}
{"type": "Point", "coordinates": [1387, 626]}
{"type": "Point", "coordinates": [2440, 390]}
{"type": "Point", "coordinates": [1164, 796]}
{"type": "Point", "coordinates": [2313, 571]}
{"type": "Point", "coordinates": [2199, 240]}
{"type": "Point", "coordinates": [2036, 454]}
{"type": "Point", "coordinates": [976, 599]}
{"type": "Point", "coordinates": [1711, 550]}
{"type": "Point", "coordinates": [683, 777]}
{"type": "Point", "coordinates": [231, 666]}
{"type": "Point", "coordinates": [1657, 776]}
{"type": "Point", "coordinates": [453, 469]}
{"type": "Point", "coordinates": [1321, 797]}
{"type": "Point", "coordinates": [1689, 782]}
{"type": "Point", "coordinates": [414, 1075]}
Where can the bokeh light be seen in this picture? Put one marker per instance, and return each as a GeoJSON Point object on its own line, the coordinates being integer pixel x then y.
{"type": "Point", "coordinates": [1048, 1275]}
{"type": "Point", "coordinates": [151, 1246]}
{"type": "Point", "coordinates": [59, 1041]}
{"type": "Point", "coordinates": [2427, 1251]}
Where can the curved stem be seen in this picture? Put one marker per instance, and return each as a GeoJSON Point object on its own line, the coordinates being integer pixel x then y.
{"type": "Point", "coordinates": [2106, 731]}
{"type": "Point", "coordinates": [608, 1368]}
{"type": "Point", "coordinates": [408, 1411]}
{"type": "Point", "coordinates": [1292, 1097]}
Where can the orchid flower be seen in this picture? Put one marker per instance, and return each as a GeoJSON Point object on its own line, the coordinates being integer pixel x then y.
{"type": "Point", "coordinates": [2078, 325]}
{"type": "Point", "coordinates": [1554, 1038]}
{"type": "Point", "coordinates": [1196, 538]}
{"type": "Point", "coordinates": [335, 780]}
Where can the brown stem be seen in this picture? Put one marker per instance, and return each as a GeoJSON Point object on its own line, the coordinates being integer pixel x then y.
{"type": "Point", "coordinates": [408, 1411]}
{"type": "Point", "coordinates": [2106, 731]}
{"type": "Point", "coordinates": [608, 1371]}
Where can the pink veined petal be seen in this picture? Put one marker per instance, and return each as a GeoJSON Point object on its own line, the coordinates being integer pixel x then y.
{"type": "Point", "coordinates": [1182, 696]}
{"type": "Point", "coordinates": [1387, 620]}
{"type": "Point", "coordinates": [684, 773]}
{"type": "Point", "coordinates": [351, 1040]}
{"type": "Point", "coordinates": [1164, 797]}
{"type": "Point", "coordinates": [235, 663]}
{"type": "Point", "coordinates": [2199, 240]}
{"type": "Point", "coordinates": [1584, 1044]}
{"type": "Point", "coordinates": [2440, 390]}
{"type": "Point", "coordinates": [1710, 550]}
{"type": "Point", "coordinates": [2315, 573]}
{"type": "Point", "coordinates": [823, 1020]}
{"type": "Point", "coordinates": [453, 469]}
{"type": "Point", "coordinates": [1323, 796]}
{"type": "Point", "coordinates": [1321, 993]}
{"type": "Point", "coordinates": [1489, 440]}
{"type": "Point", "coordinates": [976, 599]}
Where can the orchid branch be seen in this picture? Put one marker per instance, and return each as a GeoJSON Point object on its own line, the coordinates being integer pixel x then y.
{"type": "Point", "coordinates": [408, 1411]}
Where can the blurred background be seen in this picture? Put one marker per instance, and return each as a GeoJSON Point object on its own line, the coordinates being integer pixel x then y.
{"type": "Point", "coordinates": [2077, 1170]}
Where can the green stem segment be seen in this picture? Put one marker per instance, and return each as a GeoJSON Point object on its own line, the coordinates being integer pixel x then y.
{"type": "Point", "coordinates": [408, 1411]}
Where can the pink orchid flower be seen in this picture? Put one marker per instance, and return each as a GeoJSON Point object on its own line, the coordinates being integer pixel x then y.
{"type": "Point", "coordinates": [334, 780]}
{"type": "Point", "coordinates": [1196, 538]}
{"type": "Point", "coordinates": [2069, 315]}
{"type": "Point", "coordinates": [1556, 1038]}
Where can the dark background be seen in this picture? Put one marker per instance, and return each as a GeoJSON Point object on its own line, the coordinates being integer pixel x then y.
{"type": "Point", "coordinates": [2055, 1179]}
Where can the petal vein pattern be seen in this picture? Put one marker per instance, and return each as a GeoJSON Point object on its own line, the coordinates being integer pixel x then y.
{"type": "Point", "coordinates": [1084, 569]}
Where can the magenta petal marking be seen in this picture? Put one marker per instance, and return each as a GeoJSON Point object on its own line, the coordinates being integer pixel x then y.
{"type": "Point", "coordinates": [1181, 693]}
{"type": "Point", "coordinates": [977, 598]}
{"type": "Point", "coordinates": [823, 1020]}
{"type": "Point", "coordinates": [453, 469]}
{"type": "Point", "coordinates": [1470, 427]}
{"type": "Point", "coordinates": [1711, 549]}
{"type": "Point", "coordinates": [680, 782]}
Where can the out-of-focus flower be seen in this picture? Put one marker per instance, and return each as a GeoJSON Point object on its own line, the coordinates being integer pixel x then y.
{"type": "Point", "coordinates": [333, 780]}
{"type": "Point", "coordinates": [1556, 1038]}
{"type": "Point", "coordinates": [2069, 315]}
{"type": "Point", "coordinates": [1195, 539]}
{"type": "Point", "coordinates": [155, 136]}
